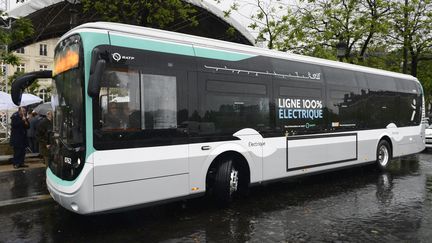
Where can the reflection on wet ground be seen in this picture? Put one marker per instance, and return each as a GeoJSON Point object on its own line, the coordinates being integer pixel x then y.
{"type": "Point", "coordinates": [22, 183]}
{"type": "Point", "coordinates": [355, 205]}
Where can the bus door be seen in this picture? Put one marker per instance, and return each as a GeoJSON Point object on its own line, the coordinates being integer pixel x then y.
{"type": "Point", "coordinates": [228, 109]}
{"type": "Point", "coordinates": [142, 151]}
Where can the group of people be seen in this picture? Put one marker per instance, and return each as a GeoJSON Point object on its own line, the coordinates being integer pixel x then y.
{"type": "Point", "coordinates": [30, 131]}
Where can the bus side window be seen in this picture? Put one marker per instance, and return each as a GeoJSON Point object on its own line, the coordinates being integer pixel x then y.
{"type": "Point", "coordinates": [343, 98]}
{"type": "Point", "coordinates": [230, 106]}
{"type": "Point", "coordinates": [382, 101]}
{"type": "Point", "coordinates": [119, 98]}
{"type": "Point", "coordinates": [159, 102]}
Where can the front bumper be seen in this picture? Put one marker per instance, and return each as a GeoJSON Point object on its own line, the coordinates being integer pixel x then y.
{"type": "Point", "coordinates": [76, 195]}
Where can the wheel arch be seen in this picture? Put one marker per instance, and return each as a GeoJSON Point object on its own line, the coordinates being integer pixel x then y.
{"type": "Point", "coordinates": [239, 160]}
{"type": "Point", "coordinates": [389, 140]}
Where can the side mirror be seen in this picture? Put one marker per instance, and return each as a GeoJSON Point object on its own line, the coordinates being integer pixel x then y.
{"type": "Point", "coordinates": [25, 80]}
{"type": "Point", "coordinates": [94, 80]}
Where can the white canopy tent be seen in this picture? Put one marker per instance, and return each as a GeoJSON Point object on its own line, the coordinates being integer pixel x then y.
{"type": "Point", "coordinates": [6, 105]}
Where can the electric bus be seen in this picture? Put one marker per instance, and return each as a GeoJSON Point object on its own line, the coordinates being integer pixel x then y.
{"type": "Point", "coordinates": [145, 116]}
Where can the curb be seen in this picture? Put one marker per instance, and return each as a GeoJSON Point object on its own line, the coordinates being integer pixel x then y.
{"type": "Point", "coordinates": [25, 201]}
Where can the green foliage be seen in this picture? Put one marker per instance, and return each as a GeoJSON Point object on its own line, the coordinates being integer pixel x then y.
{"type": "Point", "coordinates": [15, 30]}
{"type": "Point", "coordinates": [353, 22]}
{"type": "Point", "coordinates": [425, 77]}
{"type": "Point", "coordinates": [412, 21]}
{"type": "Point", "coordinates": [159, 14]}
{"type": "Point", "coordinates": [270, 19]}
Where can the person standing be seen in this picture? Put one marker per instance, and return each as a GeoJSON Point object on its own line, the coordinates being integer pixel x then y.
{"type": "Point", "coordinates": [43, 131]}
{"type": "Point", "coordinates": [31, 132]}
{"type": "Point", "coordinates": [18, 139]}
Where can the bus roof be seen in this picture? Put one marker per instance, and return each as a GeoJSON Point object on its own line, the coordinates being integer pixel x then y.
{"type": "Point", "coordinates": [225, 46]}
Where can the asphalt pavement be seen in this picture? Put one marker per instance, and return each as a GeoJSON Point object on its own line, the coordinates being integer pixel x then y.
{"type": "Point", "coordinates": [23, 185]}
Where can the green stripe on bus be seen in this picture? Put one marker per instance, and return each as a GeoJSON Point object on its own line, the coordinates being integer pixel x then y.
{"type": "Point", "coordinates": [220, 55]}
{"type": "Point", "coordinates": [175, 48]}
{"type": "Point", "coordinates": [57, 180]}
{"type": "Point", "coordinates": [90, 41]}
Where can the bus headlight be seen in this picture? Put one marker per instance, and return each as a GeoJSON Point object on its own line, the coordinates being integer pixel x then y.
{"type": "Point", "coordinates": [77, 163]}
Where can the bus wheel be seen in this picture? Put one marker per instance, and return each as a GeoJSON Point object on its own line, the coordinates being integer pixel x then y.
{"type": "Point", "coordinates": [226, 182]}
{"type": "Point", "coordinates": [383, 154]}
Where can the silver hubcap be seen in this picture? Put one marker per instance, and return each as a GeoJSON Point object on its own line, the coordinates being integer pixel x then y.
{"type": "Point", "coordinates": [233, 181]}
{"type": "Point", "coordinates": [383, 155]}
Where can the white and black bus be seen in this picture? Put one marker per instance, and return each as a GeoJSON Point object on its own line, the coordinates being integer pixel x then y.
{"type": "Point", "coordinates": [145, 116]}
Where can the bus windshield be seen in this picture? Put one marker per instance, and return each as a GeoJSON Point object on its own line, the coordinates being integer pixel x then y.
{"type": "Point", "coordinates": [68, 144]}
{"type": "Point", "coordinates": [68, 92]}
{"type": "Point", "coordinates": [68, 102]}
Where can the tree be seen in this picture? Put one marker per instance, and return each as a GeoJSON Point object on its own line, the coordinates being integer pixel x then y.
{"type": "Point", "coordinates": [355, 23]}
{"type": "Point", "coordinates": [12, 30]}
{"type": "Point", "coordinates": [159, 14]}
{"type": "Point", "coordinates": [412, 21]}
{"type": "Point", "coordinates": [270, 19]}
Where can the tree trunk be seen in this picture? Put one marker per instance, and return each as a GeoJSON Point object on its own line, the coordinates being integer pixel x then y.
{"type": "Point", "coordinates": [414, 62]}
{"type": "Point", "coordinates": [405, 40]}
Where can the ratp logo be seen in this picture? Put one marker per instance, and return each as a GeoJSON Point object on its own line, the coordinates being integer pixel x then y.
{"type": "Point", "coordinates": [116, 56]}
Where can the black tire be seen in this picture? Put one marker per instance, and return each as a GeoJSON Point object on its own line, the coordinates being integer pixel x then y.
{"type": "Point", "coordinates": [383, 155]}
{"type": "Point", "coordinates": [226, 182]}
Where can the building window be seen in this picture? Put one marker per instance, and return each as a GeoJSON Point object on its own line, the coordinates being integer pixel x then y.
{"type": "Point", "coordinates": [43, 94]}
{"type": "Point", "coordinates": [21, 68]}
{"type": "Point", "coordinates": [43, 50]}
{"type": "Point", "coordinates": [43, 67]}
{"type": "Point", "coordinates": [20, 50]}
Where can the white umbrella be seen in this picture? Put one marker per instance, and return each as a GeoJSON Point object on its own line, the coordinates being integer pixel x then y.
{"type": "Point", "coordinates": [26, 99]}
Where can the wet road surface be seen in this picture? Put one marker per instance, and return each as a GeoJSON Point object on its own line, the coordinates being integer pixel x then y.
{"type": "Point", "coordinates": [354, 205]}
{"type": "Point", "coordinates": [19, 183]}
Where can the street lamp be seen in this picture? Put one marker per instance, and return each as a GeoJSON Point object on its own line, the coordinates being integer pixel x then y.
{"type": "Point", "coordinates": [341, 49]}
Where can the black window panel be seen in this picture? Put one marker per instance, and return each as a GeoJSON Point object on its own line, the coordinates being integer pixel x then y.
{"type": "Point", "coordinates": [345, 107]}
{"type": "Point", "coordinates": [300, 92]}
{"type": "Point", "coordinates": [226, 106]}
{"type": "Point", "coordinates": [226, 114]}
{"type": "Point", "coordinates": [152, 60]}
{"type": "Point", "coordinates": [254, 67]}
{"type": "Point", "coordinates": [409, 110]}
{"type": "Point", "coordinates": [407, 86]}
{"type": "Point", "coordinates": [159, 84]}
{"type": "Point", "coordinates": [295, 89]}
{"type": "Point", "coordinates": [382, 109]}
{"type": "Point", "coordinates": [340, 77]}
{"type": "Point", "coordinates": [380, 83]}
{"type": "Point", "coordinates": [235, 87]}
{"type": "Point", "coordinates": [344, 100]}
{"type": "Point", "coordinates": [305, 72]}
{"type": "Point", "coordinates": [361, 80]}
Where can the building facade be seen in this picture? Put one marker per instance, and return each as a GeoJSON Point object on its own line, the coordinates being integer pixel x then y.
{"type": "Point", "coordinates": [36, 57]}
